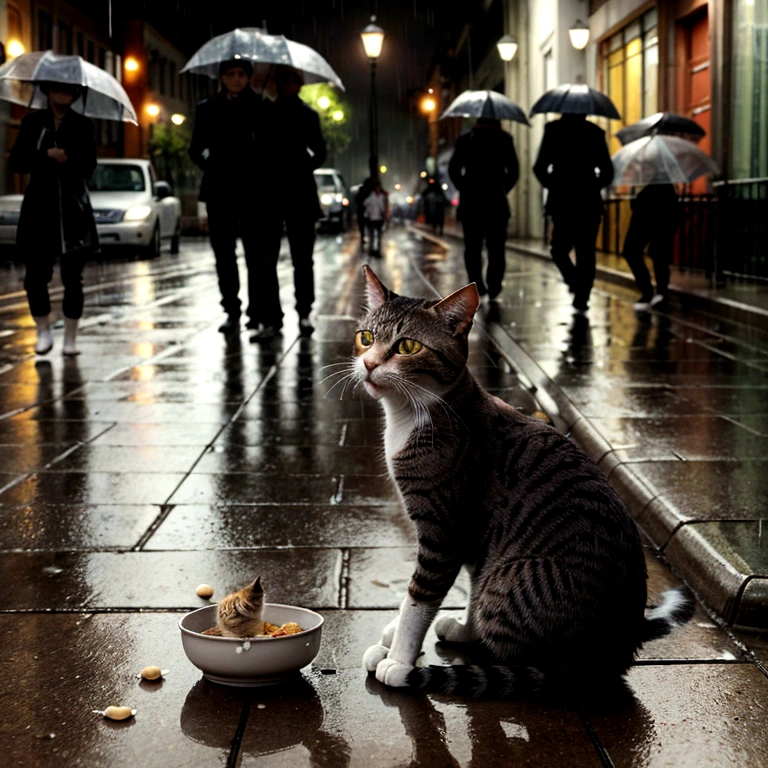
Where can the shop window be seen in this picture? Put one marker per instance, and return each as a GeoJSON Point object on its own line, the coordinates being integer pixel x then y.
{"type": "Point", "coordinates": [629, 65]}
{"type": "Point", "coordinates": [749, 109]}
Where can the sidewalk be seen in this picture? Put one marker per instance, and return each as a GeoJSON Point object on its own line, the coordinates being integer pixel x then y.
{"type": "Point", "coordinates": [671, 405]}
{"type": "Point", "coordinates": [167, 456]}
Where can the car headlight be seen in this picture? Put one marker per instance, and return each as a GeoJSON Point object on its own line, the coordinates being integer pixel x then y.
{"type": "Point", "coordinates": [326, 198]}
{"type": "Point", "coordinates": [338, 197]}
{"type": "Point", "coordinates": [137, 213]}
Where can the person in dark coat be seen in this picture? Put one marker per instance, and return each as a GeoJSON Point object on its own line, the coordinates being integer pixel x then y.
{"type": "Point", "coordinates": [363, 191]}
{"type": "Point", "coordinates": [225, 146]}
{"type": "Point", "coordinates": [57, 147]}
{"type": "Point", "coordinates": [293, 148]}
{"type": "Point", "coordinates": [484, 169]}
{"type": "Point", "coordinates": [573, 164]}
{"type": "Point", "coordinates": [433, 198]}
{"type": "Point", "coordinates": [654, 222]}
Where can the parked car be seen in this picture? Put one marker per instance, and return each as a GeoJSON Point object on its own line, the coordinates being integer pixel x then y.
{"type": "Point", "coordinates": [334, 199]}
{"type": "Point", "coordinates": [131, 209]}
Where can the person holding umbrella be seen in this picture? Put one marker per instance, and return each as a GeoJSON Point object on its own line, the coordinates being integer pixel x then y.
{"type": "Point", "coordinates": [224, 145]}
{"type": "Point", "coordinates": [573, 165]}
{"type": "Point", "coordinates": [484, 168]}
{"type": "Point", "coordinates": [295, 147]}
{"type": "Point", "coordinates": [57, 147]}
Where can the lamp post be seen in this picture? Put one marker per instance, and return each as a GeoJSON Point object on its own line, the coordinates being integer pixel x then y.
{"type": "Point", "coordinates": [373, 39]}
{"type": "Point", "coordinates": [579, 34]}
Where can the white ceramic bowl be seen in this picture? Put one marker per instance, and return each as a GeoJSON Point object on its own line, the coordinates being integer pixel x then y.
{"type": "Point", "coordinates": [261, 661]}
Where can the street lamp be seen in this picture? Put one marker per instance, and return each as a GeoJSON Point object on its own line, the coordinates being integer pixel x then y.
{"type": "Point", "coordinates": [373, 39]}
{"type": "Point", "coordinates": [579, 34]}
{"type": "Point", "coordinates": [507, 47]}
{"type": "Point", "coordinates": [323, 102]}
{"type": "Point", "coordinates": [14, 48]}
{"type": "Point", "coordinates": [177, 118]}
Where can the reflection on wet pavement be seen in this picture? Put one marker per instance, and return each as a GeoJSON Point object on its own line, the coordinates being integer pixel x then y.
{"type": "Point", "coordinates": [167, 456]}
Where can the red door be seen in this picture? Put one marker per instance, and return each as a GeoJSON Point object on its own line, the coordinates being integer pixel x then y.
{"type": "Point", "coordinates": [695, 91]}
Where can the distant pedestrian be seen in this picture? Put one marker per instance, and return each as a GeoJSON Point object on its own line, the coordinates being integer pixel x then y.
{"type": "Point", "coordinates": [224, 146]}
{"type": "Point", "coordinates": [57, 146]}
{"type": "Point", "coordinates": [376, 212]}
{"type": "Point", "coordinates": [573, 164]}
{"type": "Point", "coordinates": [655, 220]}
{"type": "Point", "coordinates": [434, 205]}
{"type": "Point", "coordinates": [363, 191]}
{"type": "Point", "coordinates": [484, 169]}
{"type": "Point", "coordinates": [293, 148]}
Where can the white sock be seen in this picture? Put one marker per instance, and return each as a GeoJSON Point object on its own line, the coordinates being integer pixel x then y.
{"type": "Point", "coordinates": [70, 337]}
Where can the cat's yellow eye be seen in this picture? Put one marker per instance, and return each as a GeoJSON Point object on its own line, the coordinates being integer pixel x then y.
{"type": "Point", "coordinates": [364, 338]}
{"type": "Point", "coordinates": [409, 347]}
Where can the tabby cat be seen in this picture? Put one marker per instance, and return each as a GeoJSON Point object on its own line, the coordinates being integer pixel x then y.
{"type": "Point", "coordinates": [556, 566]}
{"type": "Point", "coordinates": [241, 614]}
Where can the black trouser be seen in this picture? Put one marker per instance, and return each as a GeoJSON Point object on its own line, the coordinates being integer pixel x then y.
{"type": "Point", "coordinates": [300, 231]}
{"type": "Point", "coordinates": [494, 231]}
{"type": "Point", "coordinates": [228, 218]}
{"type": "Point", "coordinates": [576, 230]}
{"type": "Point", "coordinates": [39, 272]}
{"type": "Point", "coordinates": [658, 233]}
{"type": "Point", "coordinates": [375, 226]}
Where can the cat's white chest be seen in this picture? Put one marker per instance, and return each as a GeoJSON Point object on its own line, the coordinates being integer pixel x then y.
{"type": "Point", "coordinates": [399, 426]}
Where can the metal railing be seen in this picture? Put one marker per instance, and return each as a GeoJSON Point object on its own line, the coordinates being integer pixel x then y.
{"type": "Point", "coordinates": [742, 234]}
{"type": "Point", "coordinates": [724, 233]}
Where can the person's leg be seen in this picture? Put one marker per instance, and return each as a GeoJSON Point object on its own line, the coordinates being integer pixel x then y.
{"type": "Point", "coordinates": [560, 248]}
{"type": "Point", "coordinates": [376, 230]}
{"type": "Point", "coordinates": [72, 278]}
{"type": "Point", "coordinates": [585, 237]}
{"type": "Point", "coordinates": [473, 252]}
{"type": "Point", "coordinates": [301, 238]}
{"type": "Point", "coordinates": [634, 245]}
{"type": "Point", "coordinates": [222, 226]}
{"type": "Point", "coordinates": [39, 271]}
{"type": "Point", "coordinates": [266, 301]}
{"type": "Point", "coordinates": [495, 242]}
{"type": "Point", "coordinates": [253, 245]}
{"type": "Point", "coordinates": [661, 250]}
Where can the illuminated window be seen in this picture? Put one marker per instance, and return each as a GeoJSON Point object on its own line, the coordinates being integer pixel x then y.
{"type": "Point", "coordinates": [629, 70]}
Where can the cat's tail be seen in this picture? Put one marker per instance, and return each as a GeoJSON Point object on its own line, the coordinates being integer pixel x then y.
{"type": "Point", "coordinates": [675, 608]}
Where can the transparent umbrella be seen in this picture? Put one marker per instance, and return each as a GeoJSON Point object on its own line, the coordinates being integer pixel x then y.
{"type": "Point", "coordinates": [258, 47]}
{"type": "Point", "coordinates": [102, 97]}
{"type": "Point", "coordinates": [660, 160]}
{"type": "Point", "coordinates": [665, 123]}
{"type": "Point", "coordinates": [485, 104]}
{"type": "Point", "coordinates": [575, 99]}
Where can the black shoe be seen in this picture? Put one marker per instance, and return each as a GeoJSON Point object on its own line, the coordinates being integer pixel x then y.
{"type": "Point", "coordinates": [580, 304]}
{"type": "Point", "coordinates": [305, 327]}
{"type": "Point", "coordinates": [252, 324]}
{"type": "Point", "coordinates": [230, 325]}
{"type": "Point", "coordinates": [265, 333]}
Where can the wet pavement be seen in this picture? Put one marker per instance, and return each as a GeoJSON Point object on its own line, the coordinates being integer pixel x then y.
{"type": "Point", "coordinates": [166, 456]}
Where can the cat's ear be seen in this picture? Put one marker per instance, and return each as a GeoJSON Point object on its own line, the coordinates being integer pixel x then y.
{"type": "Point", "coordinates": [376, 291]}
{"type": "Point", "coordinates": [459, 308]}
{"type": "Point", "coordinates": [257, 588]}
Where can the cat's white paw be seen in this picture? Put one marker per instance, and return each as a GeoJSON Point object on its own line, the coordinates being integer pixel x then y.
{"type": "Point", "coordinates": [453, 631]}
{"type": "Point", "coordinates": [393, 673]}
{"type": "Point", "coordinates": [388, 635]}
{"type": "Point", "coordinates": [374, 656]}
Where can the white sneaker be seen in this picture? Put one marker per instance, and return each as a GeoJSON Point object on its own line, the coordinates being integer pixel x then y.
{"type": "Point", "coordinates": [642, 305]}
{"type": "Point", "coordinates": [659, 298]}
{"type": "Point", "coordinates": [44, 342]}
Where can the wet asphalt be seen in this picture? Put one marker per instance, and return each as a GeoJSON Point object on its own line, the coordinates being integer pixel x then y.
{"type": "Point", "coordinates": [167, 455]}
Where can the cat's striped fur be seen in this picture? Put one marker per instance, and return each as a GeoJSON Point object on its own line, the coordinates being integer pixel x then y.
{"type": "Point", "coordinates": [558, 578]}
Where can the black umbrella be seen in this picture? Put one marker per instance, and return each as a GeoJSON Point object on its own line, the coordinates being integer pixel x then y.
{"type": "Point", "coordinates": [664, 123]}
{"type": "Point", "coordinates": [485, 104]}
{"type": "Point", "coordinates": [575, 99]}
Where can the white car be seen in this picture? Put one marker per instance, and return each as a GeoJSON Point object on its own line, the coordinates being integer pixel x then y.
{"type": "Point", "coordinates": [130, 207]}
{"type": "Point", "coordinates": [334, 199]}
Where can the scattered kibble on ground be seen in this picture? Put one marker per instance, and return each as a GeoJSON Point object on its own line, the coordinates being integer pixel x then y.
{"type": "Point", "coordinates": [204, 590]}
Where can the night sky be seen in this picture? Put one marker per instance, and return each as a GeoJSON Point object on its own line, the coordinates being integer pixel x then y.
{"type": "Point", "coordinates": [414, 30]}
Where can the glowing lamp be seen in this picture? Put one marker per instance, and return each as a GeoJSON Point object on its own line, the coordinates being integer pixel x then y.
{"type": "Point", "coordinates": [14, 48]}
{"type": "Point", "coordinates": [507, 47]}
{"type": "Point", "coordinates": [178, 119]}
{"type": "Point", "coordinates": [153, 110]}
{"type": "Point", "coordinates": [579, 34]}
{"type": "Point", "coordinates": [373, 39]}
{"type": "Point", "coordinates": [131, 64]}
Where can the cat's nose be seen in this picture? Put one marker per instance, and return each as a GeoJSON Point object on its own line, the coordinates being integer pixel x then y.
{"type": "Point", "coordinates": [369, 364]}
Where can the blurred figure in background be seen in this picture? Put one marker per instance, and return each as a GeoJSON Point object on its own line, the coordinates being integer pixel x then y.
{"type": "Point", "coordinates": [376, 212]}
{"type": "Point", "coordinates": [434, 201]}
{"type": "Point", "coordinates": [573, 164]}
{"type": "Point", "coordinates": [363, 191]}
{"type": "Point", "coordinates": [655, 219]}
{"type": "Point", "coordinates": [293, 147]}
{"type": "Point", "coordinates": [484, 169]}
{"type": "Point", "coordinates": [224, 147]}
{"type": "Point", "coordinates": [57, 146]}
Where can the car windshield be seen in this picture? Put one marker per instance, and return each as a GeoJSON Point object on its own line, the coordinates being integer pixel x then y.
{"type": "Point", "coordinates": [325, 180]}
{"type": "Point", "coordinates": [117, 177]}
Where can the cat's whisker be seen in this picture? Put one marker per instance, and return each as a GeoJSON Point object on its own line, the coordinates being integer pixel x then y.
{"type": "Point", "coordinates": [344, 381]}
{"type": "Point", "coordinates": [331, 375]}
